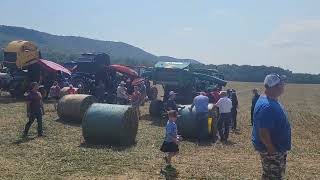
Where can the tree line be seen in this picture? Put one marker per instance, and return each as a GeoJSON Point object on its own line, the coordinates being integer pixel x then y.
{"type": "Point", "coordinates": [231, 72]}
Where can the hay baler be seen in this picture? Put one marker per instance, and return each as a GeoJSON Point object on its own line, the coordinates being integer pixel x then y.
{"type": "Point", "coordinates": [24, 65]}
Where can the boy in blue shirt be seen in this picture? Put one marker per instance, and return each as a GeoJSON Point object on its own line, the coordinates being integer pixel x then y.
{"type": "Point", "coordinates": [271, 133]}
{"type": "Point", "coordinates": [170, 144]}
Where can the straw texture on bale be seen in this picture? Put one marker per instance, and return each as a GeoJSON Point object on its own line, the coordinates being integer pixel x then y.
{"type": "Point", "coordinates": [71, 108]}
{"type": "Point", "coordinates": [187, 123]}
{"type": "Point", "coordinates": [110, 124]}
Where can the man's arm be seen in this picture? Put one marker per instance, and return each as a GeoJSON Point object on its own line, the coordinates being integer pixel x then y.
{"type": "Point", "coordinates": [266, 140]}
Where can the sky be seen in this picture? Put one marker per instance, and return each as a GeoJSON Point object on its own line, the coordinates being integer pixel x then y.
{"type": "Point", "coordinates": [282, 33]}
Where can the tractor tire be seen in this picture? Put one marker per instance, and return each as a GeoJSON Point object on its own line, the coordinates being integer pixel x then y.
{"type": "Point", "coordinates": [81, 84]}
{"type": "Point", "coordinates": [156, 108]}
{"type": "Point", "coordinates": [16, 90]}
{"type": "Point", "coordinates": [153, 93]}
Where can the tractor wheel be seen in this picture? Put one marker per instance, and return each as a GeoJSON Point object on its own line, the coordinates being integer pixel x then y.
{"type": "Point", "coordinates": [153, 93]}
{"type": "Point", "coordinates": [16, 90]}
{"type": "Point", "coordinates": [81, 84]}
{"type": "Point", "coordinates": [156, 108]}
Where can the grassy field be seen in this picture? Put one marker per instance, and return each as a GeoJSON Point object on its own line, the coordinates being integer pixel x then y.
{"type": "Point", "coordinates": [62, 154]}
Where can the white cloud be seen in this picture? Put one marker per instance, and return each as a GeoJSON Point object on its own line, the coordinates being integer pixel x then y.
{"type": "Point", "coordinates": [187, 29]}
{"type": "Point", "coordinates": [302, 33]}
{"type": "Point", "coordinates": [295, 45]}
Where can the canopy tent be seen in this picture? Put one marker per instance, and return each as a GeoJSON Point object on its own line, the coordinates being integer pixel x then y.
{"type": "Point", "coordinates": [125, 70]}
{"type": "Point", "coordinates": [52, 66]}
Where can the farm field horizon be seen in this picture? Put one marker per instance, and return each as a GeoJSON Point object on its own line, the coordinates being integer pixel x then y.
{"type": "Point", "coordinates": [63, 154]}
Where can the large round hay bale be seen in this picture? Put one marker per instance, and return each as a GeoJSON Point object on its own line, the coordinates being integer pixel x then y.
{"type": "Point", "coordinates": [71, 108]}
{"type": "Point", "coordinates": [156, 108]}
{"type": "Point", "coordinates": [110, 124]}
{"type": "Point", "coordinates": [187, 123]}
{"type": "Point", "coordinates": [64, 92]}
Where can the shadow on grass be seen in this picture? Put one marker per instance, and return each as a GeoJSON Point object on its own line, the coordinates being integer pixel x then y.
{"type": "Point", "coordinates": [23, 140]}
{"type": "Point", "coordinates": [112, 147]}
{"type": "Point", "coordinates": [69, 123]}
{"type": "Point", "coordinates": [170, 173]}
{"type": "Point", "coordinates": [9, 100]}
{"type": "Point", "coordinates": [229, 143]}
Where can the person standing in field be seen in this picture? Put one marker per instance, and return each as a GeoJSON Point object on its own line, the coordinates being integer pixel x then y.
{"type": "Point", "coordinates": [225, 105]}
{"type": "Point", "coordinates": [71, 90]}
{"type": "Point", "coordinates": [255, 98]}
{"type": "Point", "coordinates": [35, 109]}
{"type": "Point", "coordinates": [55, 93]}
{"type": "Point", "coordinates": [170, 144]}
{"type": "Point", "coordinates": [201, 102]}
{"type": "Point", "coordinates": [122, 95]}
{"type": "Point", "coordinates": [234, 109]}
{"type": "Point", "coordinates": [135, 99]}
{"type": "Point", "coordinates": [271, 132]}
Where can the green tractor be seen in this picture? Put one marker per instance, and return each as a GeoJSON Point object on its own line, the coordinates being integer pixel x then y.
{"type": "Point", "coordinates": [181, 78]}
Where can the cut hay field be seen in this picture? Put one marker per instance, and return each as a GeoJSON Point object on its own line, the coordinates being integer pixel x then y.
{"type": "Point", "coordinates": [61, 154]}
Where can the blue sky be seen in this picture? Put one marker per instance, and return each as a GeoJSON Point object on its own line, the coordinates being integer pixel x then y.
{"type": "Point", "coordinates": [280, 33]}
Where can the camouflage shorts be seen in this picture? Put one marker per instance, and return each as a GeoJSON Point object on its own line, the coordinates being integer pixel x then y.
{"type": "Point", "coordinates": [273, 165]}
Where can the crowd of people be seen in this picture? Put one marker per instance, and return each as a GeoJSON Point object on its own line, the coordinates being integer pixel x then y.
{"type": "Point", "coordinates": [271, 131]}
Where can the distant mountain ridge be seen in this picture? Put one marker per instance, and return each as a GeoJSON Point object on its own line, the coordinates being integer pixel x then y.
{"type": "Point", "coordinates": [65, 48]}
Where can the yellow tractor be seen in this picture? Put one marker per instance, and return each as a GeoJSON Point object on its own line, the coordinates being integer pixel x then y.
{"type": "Point", "coordinates": [24, 64]}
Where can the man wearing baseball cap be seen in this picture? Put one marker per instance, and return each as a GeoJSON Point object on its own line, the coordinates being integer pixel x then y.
{"type": "Point", "coordinates": [271, 133]}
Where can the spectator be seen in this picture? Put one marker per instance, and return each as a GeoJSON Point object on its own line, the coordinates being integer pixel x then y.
{"type": "Point", "coordinates": [271, 132]}
{"type": "Point", "coordinates": [55, 93]}
{"type": "Point", "coordinates": [170, 144]}
{"type": "Point", "coordinates": [35, 109]}
{"type": "Point", "coordinates": [234, 110]}
{"type": "Point", "coordinates": [122, 95]}
{"type": "Point", "coordinates": [201, 102]}
{"type": "Point", "coordinates": [143, 91]}
{"type": "Point", "coordinates": [255, 98]}
{"type": "Point", "coordinates": [100, 90]}
{"type": "Point", "coordinates": [225, 105]}
{"type": "Point", "coordinates": [71, 90]}
{"type": "Point", "coordinates": [135, 99]}
{"type": "Point", "coordinates": [215, 95]}
{"type": "Point", "coordinates": [171, 103]}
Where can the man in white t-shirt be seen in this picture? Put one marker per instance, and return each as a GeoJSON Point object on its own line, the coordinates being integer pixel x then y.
{"type": "Point", "coordinates": [225, 105]}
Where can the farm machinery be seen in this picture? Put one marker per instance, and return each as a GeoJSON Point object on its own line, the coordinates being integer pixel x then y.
{"type": "Point", "coordinates": [23, 64]}
{"type": "Point", "coordinates": [90, 70]}
{"type": "Point", "coordinates": [181, 78]}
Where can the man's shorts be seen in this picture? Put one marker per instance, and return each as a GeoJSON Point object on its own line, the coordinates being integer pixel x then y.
{"type": "Point", "coordinates": [273, 165]}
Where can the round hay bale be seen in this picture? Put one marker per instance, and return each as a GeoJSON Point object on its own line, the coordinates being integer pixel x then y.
{"type": "Point", "coordinates": [156, 108]}
{"type": "Point", "coordinates": [187, 122]}
{"type": "Point", "coordinates": [110, 124]}
{"type": "Point", "coordinates": [71, 108]}
{"type": "Point", "coordinates": [64, 92]}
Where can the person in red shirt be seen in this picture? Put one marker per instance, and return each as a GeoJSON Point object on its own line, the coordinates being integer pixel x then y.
{"type": "Point", "coordinates": [71, 90]}
{"type": "Point", "coordinates": [216, 95]}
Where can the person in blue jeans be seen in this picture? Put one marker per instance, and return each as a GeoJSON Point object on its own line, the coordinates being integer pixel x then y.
{"type": "Point", "coordinates": [201, 102]}
{"type": "Point", "coordinates": [271, 132]}
{"type": "Point", "coordinates": [34, 109]}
